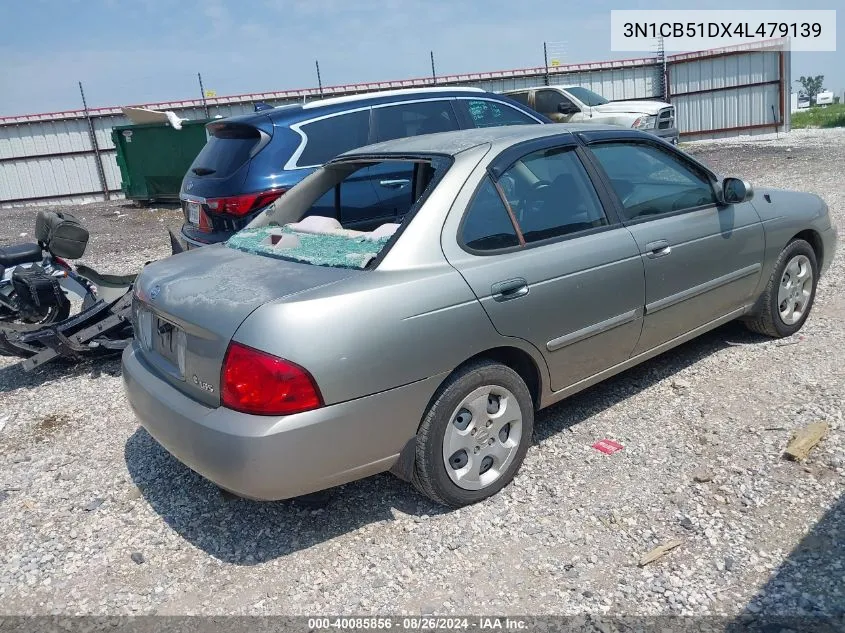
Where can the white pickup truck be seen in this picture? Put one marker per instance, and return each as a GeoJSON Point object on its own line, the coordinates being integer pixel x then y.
{"type": "Point", "coordinates": [574, 103]}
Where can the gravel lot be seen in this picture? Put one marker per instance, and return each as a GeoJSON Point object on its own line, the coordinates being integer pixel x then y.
{"type": "Point", "coordinates": [96, 518]}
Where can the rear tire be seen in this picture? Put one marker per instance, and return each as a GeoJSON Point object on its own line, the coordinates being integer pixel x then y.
{"type": "Point", "coordinates": [474, 435]}
{"type": "Point", "coordinates": [788, 298]}
{"type": "Point", "coordinates": [8, 347]}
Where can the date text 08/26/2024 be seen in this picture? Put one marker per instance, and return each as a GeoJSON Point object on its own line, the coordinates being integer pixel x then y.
{"type": "Point", "coordinates": [421, 623]}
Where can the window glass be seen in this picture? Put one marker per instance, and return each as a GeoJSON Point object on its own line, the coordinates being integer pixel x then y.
{"type": "Point", "coordinates": [332, 136]}
{"type": "Point", "coordinates": [412, 119]}
{"type": "Point", "coordinates": [521, 97]}
{"type": "Point", "coordinates": [485, 113]}
{"type": "Point", "coordinates": [227, 149]}
{"type": "Point", "coordinates": [487, 225]}
{"type": "Point", "coordinates": [650, 181]}
{"type": "Point", "coordinates": [547, 101]}
{"type": "Point", "coordinates": [587, 97]}
{"type": "Point", "coordinates": [551, 195]}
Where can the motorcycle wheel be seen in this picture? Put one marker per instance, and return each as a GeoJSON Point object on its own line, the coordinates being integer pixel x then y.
{"type": "Point", "coordinates": [8, 346]}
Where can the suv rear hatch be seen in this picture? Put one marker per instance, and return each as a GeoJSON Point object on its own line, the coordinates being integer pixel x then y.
{"type": "Point", "coordinates": [188, 307]}
{"type": "Point", "coordinates": [213, 191]}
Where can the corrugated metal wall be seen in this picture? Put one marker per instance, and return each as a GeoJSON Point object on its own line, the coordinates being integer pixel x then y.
{"type": "Point", "coordinates": [638, 82]}
{"type": "Point", "coordinates": [48, 159]}
{"type": "Point", "coordinates": [51, 159]}
{"type": "Point", "coordinates": [728, 94]}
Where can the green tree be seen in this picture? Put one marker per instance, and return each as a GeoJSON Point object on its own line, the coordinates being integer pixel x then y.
{"type": "Point", "coordinates": [812, 85]}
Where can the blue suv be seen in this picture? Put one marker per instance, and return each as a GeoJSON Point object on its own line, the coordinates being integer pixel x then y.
{"type": "Point", "coordinates": [251, 160]}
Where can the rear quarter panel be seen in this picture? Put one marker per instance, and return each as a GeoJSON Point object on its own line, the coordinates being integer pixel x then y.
{"type": "Point", "coordinates": [375, 332]}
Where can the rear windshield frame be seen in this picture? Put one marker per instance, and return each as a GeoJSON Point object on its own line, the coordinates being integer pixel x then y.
{"type": "Point", "coordinates": [442, 163]}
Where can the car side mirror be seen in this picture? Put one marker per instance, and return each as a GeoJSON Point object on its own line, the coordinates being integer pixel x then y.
{"type": "Point", "coordinates": [735, 190]}
{"type": "Point", "coordinates": [567, 108]}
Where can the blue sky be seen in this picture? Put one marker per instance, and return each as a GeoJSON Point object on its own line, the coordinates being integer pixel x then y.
{"type": "Point", "coordinates": [130, 52]}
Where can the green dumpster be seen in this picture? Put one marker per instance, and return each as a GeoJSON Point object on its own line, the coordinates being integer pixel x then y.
{"type": "Point", "coordinates": [154, 157]}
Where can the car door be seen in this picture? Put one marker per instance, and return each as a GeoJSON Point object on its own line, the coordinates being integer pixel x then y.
{"type": "Point", "coordinates": [549, 261]}
{"type": "Point", "coordinates": [548, 101]}
{"type": "Point", "coordinates": [702, 259]}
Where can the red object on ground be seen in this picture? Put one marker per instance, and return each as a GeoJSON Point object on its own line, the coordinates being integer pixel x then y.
{"type": "Point", "coordinates": [608, 447]}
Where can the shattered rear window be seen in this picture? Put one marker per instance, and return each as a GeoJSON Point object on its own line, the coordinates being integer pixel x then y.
{"type": "Point", "coordinates": [345, 214]}
{"type": "Point", "coordinates": [343, 251]}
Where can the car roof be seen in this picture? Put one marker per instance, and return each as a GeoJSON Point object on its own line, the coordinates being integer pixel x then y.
{"type": "Point", "coordinates": [562, 87]}
{"type": "Point", "coordinates": [452, 143]}
{"type": "Point", "coordinates": [290, 113]}
{"type": "Point", "coordinates": [387, 94]}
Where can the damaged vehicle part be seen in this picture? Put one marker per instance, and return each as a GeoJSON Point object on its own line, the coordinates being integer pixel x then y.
{"type": "Point", "coordinates": [37, 283]}
{"type": "Point", "coordinates": [37, 286]}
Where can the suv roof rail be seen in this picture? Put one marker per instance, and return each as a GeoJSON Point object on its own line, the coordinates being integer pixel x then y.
{"type": "Point", "coordinates": [386, 93]}
{"type": "Point", "coordinates": [562, 86]}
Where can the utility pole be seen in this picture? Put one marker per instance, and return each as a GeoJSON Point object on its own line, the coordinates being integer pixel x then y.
{"type": "Point", "coordinates": [98, 159]}
{"type": "Point", "coordinates": [202, 92]}
{"type": "Point", "coordinates": [662, 69]}
{"type": "Point", "coordinates": [433, 74]}
{"type": "Point", "coordinates": [546, 61]}
{"type": "Point", "coordinates": [319, 79]}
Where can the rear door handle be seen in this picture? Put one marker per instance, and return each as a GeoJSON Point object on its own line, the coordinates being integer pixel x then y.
{"type": "Point", "coordinates": [394, 184]}
{"type": "Point", "coordinates": [510, 289]}
{"type": "Point", "coordinates": [658, 248]}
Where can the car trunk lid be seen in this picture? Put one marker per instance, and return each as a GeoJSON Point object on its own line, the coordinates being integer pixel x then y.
{"type": "Point", "coordinates": [189, 306]}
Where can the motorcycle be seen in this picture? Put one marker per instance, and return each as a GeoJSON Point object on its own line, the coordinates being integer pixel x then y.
{"type": "Point", "coordinates": [38, 284]}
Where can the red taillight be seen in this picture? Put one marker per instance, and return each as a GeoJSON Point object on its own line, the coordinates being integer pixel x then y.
{"type": "Point", "coordinates": [255, 382]}
{"type": "Point", "coordinates": [205, 224]}
{"type": "Point", "coordinates": [241, 205]}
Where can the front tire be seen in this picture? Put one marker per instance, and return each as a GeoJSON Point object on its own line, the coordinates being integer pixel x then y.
{"type": "Point", "coordinates": [474, 435]}
{"type": "Point", "coordinates": [788, 298]}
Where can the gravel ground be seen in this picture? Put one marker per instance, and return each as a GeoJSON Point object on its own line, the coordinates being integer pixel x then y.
{"type": "Point", "coordinates": [96, 518]}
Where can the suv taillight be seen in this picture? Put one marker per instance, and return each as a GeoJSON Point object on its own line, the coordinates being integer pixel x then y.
{"type": "Point", "coordinates": [263, 384]}
{"type": "Point", "coordinates": [244, 204]}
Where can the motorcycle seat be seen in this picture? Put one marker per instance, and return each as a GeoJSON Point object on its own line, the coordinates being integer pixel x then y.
{"type": "Point", "coordinates": [19, 254]}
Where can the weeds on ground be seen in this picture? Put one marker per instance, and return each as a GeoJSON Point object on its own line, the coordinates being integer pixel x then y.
{"type": "Point", "coordinates": [820, 116]}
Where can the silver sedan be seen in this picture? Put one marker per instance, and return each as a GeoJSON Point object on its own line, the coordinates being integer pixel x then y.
{"type": "Point", "coordinates": [409, 306]}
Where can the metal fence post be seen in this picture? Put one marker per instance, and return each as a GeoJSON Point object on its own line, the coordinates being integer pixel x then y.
{"type": "Point", "coordinates": [202, 92]}
{"type": "Point", "coordinates": [433, 74]}
{"type": "Point", "coordinates": [546, 61]}
{"type": "Point", "coordinates": [98, 159]}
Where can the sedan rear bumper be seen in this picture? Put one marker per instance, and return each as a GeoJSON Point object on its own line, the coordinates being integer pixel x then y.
{"type": "Point", "coordinates": [270, 458]}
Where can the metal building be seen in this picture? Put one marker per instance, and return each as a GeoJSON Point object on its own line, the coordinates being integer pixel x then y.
{"type": "Point", "coordinates": [68, 157]}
